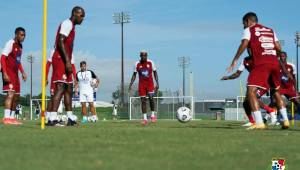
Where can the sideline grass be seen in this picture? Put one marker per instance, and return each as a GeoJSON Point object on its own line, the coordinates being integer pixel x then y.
{"type": "Point", "coordinates": [126, 145]}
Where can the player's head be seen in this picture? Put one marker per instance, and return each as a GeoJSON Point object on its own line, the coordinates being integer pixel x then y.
{"type": "Point", "coordinates": [77, 15]}
{"type": "Point", "coordinates": [283, 56]}
{"type": "Point", "coordinates": [83, 66]}
{"type": "Point", "coordinates": [249, 19]}
{"type": "Point", "coordinates": [20, 34]}
{"type": "Point", "coordinates": [143, 55]}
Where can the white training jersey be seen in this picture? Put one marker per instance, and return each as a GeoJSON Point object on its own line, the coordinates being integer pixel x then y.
{"type": "Point", "coordinates": [84, 79]}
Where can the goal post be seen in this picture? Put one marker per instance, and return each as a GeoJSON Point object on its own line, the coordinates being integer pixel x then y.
{"type": "Point", "coordinates": [165, 107]}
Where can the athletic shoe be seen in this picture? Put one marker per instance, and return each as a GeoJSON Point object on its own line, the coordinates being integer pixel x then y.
{"type": "Point", "coordinates": [285, 124]}
{"type": "Point", "coordinates": [258, 127]}
{"type": "Point", "coordinates": [249, 124]}
{"type": "Point", "coordinates": [84, 120]}
{"type": "Point", "coordinates": [144, 122]}
{"type": "Point", "coordinates": [10, 121]}
{"type": "Point", "coordinates": [54, 123]}
{"type": "Point", "coordinates": [71, 122]}
{"type": "Point", "coordinates": [15, 121]}
{"type": "Point", "coordinates": [153, 119]}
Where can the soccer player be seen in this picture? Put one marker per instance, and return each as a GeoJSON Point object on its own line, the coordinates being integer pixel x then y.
{"type": "Point", "coordinates": [264, 45]}
{"type": "Point", "coordinates": [11, 65]}
{"type": "Point", "coordinates": [248, 65]}
{"type": "Point", "coordinates": [288, 86]}
{"type": "Point", "coordinates": [86, 93]}
{"type": "Point", "coordinates": [52, 84]}
{"type": "Point", "coordinates": [145, 68]}
{"type": "Point", "coordinates": [62, 67]}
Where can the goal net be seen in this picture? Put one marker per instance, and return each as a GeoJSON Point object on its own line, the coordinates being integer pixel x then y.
{"type": "Point", "coordinates": [165, 107]}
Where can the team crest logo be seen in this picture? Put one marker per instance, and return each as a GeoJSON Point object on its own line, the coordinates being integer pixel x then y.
{"type": "Point", "coordinates": [257, 33]}
{"type": "Point", "coordinates": [64, 77]}
{"type": "Point", "coordinates": [148, 65]}
{"type": "Point", "coordinates": [16, 49]}
{"type": "Point", "coordinates": [278, 164]}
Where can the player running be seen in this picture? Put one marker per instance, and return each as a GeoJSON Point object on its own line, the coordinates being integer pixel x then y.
{"type": "Point", "coordinates": [11, 65]}
{"type": "Point", "coordinates": [264, 45]}
{"type": "Point", "coordinates": [62, 67]}
{"type": "Point", "coordinates": [145, 68]}
{"type": "Point", "coordinates": [248, 65]}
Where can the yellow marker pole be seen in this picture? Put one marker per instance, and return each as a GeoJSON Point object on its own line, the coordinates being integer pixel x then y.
{"type": "Point", "coordinates": [44, 64]}
{"type": "Point", "coordinates": [293, 114]}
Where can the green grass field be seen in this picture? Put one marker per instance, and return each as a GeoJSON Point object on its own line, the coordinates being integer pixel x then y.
{"type": "Point", "coordinates": [126, 145]}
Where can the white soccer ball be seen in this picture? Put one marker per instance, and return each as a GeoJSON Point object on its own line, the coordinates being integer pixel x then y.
{"type": "Point", "coordinates": [94, 83]}
{"type": "Point", "coordinates": [94, 119]}
{"type": "Point", "coordinates": [64, 118]}
{"type": "Point", "coordinates": [184, 114]}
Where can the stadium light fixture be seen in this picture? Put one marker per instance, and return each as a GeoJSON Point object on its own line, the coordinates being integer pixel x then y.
{"type": "Point", "coordinates": [183, 63]}
{"type": "Point", "coordinates": [121, 18]}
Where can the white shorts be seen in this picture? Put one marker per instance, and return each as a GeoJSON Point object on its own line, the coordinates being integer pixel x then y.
{"type": "Point", "coordinates": [86, 97]}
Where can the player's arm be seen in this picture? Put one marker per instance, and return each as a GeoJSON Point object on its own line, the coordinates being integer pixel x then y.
{"type": "Point", "coordinates": [74, 73]}
{"type": "Point", "coordinates": [62, 48]}
{"type": "Point", "coordinates": [48, 65]}
{"type": "Point", "coordinates": [156, 79]}
{"type": "Point", "coordinates": [4, 68]}
{"type": "Point", "coordinates": [76, 86]}
{"type": "Point", "coordinates": [232, 76]}
{"type": "Point", "coordinates": [132, 80]}
{"type": "Point", "coordinates": [24, 75]}
{"type": "Point", "coordinates": [241, 49]}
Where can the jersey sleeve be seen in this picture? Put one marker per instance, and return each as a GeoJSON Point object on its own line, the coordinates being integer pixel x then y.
{"type": "Point", "coordinates": [275, 37]}
{"type": "Point", "coordinates": [294, 69]}
{"type": "Point", "coordinates": [153, 66]}
{"type": "Point", "coordinates": [8, 48]}
{"type": "Point", "coordinates": [93, 74]}
{"type": "Point", "coordinates": [242, 66]}
{"type": "Point", "coordinates": [135, 67]}
{"type": "Point", "coordinates": [246, 34]}
{"type": "Point", "coordinates": [66, 28]}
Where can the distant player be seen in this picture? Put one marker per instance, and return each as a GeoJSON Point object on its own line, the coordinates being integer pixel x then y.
{"type": "Point", "coordinates": [52, 84]}
{"type": "Point", "coordinates": [19, 111]}
{"type": "Point", "coordinates": [86, 90]}
{"type": "Point", "coordinates": [144, 68]}
{"type": "Point", "coordinates": [264, 45]}
{"type": "Point", "coordinates": [62, 67]}
{"type": "Point", "coordinates": [115, 112]}
{"type": "Point", "coordinates": [248, 65]}
{"type": "Point", "coordinates": [11, 65]}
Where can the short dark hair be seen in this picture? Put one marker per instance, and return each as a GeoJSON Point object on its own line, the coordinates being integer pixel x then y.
{"type": "Point", "coordinates": [82, 63]}
{"type": "Point", "coordinates": [250, 16]}
{"type": "Point", "coordinates": [76, 9]}
{"type": "Point", "coordinates": [18, 29]}
{"type": "Point", "coordinates": [283, 52]}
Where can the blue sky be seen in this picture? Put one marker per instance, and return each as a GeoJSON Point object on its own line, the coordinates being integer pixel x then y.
{"type": "Point", "coordinates": [207, 31]}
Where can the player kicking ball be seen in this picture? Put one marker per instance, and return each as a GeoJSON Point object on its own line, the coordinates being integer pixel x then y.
{"type": "Point", "coordinates": [145, 68]}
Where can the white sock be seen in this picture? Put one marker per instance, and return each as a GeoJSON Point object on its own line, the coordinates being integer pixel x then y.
{"type": "Point", "coordinates": [53, 116]}
{"type": "Point", "coordinates": [7, 113]}
{"type": "Point", "coordinates": [12, 114]}
{"type": "Point", "coordinates": [258, 117]}
{"type": "Point", "coordinates": [47, 116]}
{"type": "Point", "coordinates": [145, 116]}
{"type": "Point", "coordinates": [152, 113]}
{"type": "Point", "coordinates": [69, 113]}
{"type": "Point", "coordinates": [284, 114]}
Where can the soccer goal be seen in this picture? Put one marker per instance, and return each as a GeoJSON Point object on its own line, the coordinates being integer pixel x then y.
{"type": "Point", "coordinates": [166, 107]}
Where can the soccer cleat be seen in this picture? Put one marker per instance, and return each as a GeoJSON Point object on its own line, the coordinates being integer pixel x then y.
{"type": "Point", "coordinates": [84, 121]}
{"type": "Point", "coordinates": [258, 127]}
{"type": "Point", "coordinates": [153, 119]}
{"type": "Point", "coordinates": [14, 121]}
{"type": "Point", "coordinates": [144, 122]}
{"type": "Point", "coordinates": [249, 124]}
{"type": "Point", "coordinates": [285, 124]}
{"type": "Point", "coordinates": [11, 121]}
{"type": "Point", "coordinates": [71, 122]}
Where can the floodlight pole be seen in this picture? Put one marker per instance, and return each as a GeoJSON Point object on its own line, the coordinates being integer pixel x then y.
{"type": "Point", "coordinates": [183, 63]}
{"type": "Point", "coordinates": [121, 18]}
{"type": "Point", "coordinates": [297, 38]}
{"type": "Point", "coordinates": [30, 59]}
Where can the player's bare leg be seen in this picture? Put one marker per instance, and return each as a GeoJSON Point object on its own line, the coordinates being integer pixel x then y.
{"type": "Point", "coordinates": [8, 104]}
{"type": "Point", "coordinates": [152, 107]}
{"type": "Point", "coordinates": [282, 109]}
{"type": "Point", "coordinates": [144, 110]}
{"type": "Point", "coordinates": [84, 112]}
{"type": "Point", "coordinates": [248, 113]}
{"type": "Point", "coordinates": [59, 92]}
{"type": "Point", "coordinates": [255, 109]}
{"type": "Point", "coordinates": [68, 104]}
{"type": "Point", "coordinates": [49, 109]}
{"type": "Point", "coordinates": [93, 111]}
